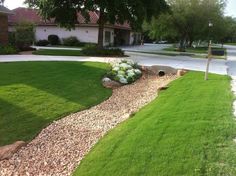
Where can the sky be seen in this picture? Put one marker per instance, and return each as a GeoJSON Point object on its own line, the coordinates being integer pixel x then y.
{"type": "Point", "coordinates": [229, 11]}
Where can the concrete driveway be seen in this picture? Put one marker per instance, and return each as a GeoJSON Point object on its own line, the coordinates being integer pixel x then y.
{"type": "Point", "coordinates": [231, 61]}
{"type": "Point", "coordinates": [146, 47]}
{"type": "Point", "coordinates": [180, 62]}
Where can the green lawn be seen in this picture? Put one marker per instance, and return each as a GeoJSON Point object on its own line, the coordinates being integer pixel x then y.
{"type": "Point", "coordinates": [231, 44]}
{"type": "Point", "coordinates": [57, 52]}
{"type": "Point", "coordinates": [197, 50]}
{"type": "Point", "coordinates": [187, 131]}
{"type": "Point", "coordinates": [89, 52]}
{"type": "Point", "coordinates": [34, 94]}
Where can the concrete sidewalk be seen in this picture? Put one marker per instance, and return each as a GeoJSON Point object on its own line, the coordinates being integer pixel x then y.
{"type": "Point", "coordinates": [231, 63]}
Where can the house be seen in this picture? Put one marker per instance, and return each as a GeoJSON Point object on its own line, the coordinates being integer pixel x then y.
{"type": "Point", "coordinates": [4, 12]}
{"type": "Point", "coordinates": [117, 34]}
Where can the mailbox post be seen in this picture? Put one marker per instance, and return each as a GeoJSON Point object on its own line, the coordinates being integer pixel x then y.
{"type": "Point", "coordinates": [209, 53]}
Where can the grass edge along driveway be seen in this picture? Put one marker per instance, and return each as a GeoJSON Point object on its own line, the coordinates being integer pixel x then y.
{"type": "Point", "coordinates": [34, 94]}
{"type": "Point", "coordinates": [188, 130]}
{"type": "Point", "coordinates": [58, 52]}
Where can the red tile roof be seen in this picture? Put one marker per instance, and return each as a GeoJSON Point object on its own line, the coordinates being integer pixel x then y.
{"type": "Point", "coordinates": [31, 15]}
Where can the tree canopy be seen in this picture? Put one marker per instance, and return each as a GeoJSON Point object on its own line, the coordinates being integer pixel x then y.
{"type": "Point", "coordinates": [188, 20]}
{"type": "Point", "coordinates": [110, 11]}
{"type": "Point", "coordinates": [230, 30]}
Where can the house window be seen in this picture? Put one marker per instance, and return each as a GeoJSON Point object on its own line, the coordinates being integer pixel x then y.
{"type": "Point", "coordinates": [107, 36]}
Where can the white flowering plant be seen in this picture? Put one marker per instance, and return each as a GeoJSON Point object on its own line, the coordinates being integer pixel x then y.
{"type": "Point", "coordinates": [125, 72]}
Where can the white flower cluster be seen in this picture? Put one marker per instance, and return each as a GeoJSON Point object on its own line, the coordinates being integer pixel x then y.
{"type": "Point", "coordinates": [125, 72]}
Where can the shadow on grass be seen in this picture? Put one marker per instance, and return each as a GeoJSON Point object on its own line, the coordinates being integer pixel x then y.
{"type": "Point", "coordinates": [69, 80]}
{"type": "Point", "coordinates": [33, 94]}
{"type": "Point", "coordinates": [18, 126]}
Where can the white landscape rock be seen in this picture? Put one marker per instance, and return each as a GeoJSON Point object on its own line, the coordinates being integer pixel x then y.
{"type": "Point", "coordinates": [106, 79]}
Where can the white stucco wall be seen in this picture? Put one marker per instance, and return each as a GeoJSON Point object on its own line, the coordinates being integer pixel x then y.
{"type": "Point", "coordinates": [84, 34]}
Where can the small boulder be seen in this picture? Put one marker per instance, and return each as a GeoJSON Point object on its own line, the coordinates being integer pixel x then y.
{"type": "Point", "coordinates": [181, 72]}
{"type": "Point", "coordinates": [7, 151]}
{"type": "Point", "coordinates": [112, 84]}
{"type": "Point", "coordinates": [106, 79]}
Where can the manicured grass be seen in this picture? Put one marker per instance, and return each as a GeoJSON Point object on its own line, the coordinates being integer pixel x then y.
{"type": "Point", "coordinates": [202, 50]}
{"type": "Point", "coordinates": [33, 94]}
{"type": "Point", "coordinates": [63, 46]}
{"type": "Point", "coordinates": [198, 52]}
{"type": "Point", "coordinates": [93, 51]}
{"type": "Point", "coordinates": [54, 52]}
{"type": "Point", "coordinates": [231, 44]}
{"type": "Point", "coordinates": [187, 131]}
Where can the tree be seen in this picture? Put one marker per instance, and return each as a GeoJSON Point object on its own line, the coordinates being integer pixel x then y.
{"type": "Point", "coordinates": [24, 35]}
{"type": "Point", "coordinates": [110, 11]}
{"type": "Point", "coordinates": [230, 29]}
{"type": "Point", "coordinates": [188, 20]}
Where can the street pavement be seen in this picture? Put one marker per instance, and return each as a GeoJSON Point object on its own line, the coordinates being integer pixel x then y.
{"type": "Point", "coordinates": [231, 63]}
{"type": "Point", "coordinates": [180, 62]}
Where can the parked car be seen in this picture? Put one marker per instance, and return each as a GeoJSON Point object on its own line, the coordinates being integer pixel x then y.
{"type": "Point", "coordinates": [160, 42]}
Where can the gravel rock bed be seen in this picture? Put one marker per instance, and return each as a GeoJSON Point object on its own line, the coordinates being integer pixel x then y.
{"type": "Point", "coordinates": [59, 148]}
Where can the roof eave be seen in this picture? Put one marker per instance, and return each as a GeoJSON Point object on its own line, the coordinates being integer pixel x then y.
{"type": "Point", "coordinates": [5, 10]}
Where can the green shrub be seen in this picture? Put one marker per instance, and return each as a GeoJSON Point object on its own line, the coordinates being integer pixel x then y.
{"type": "Point", "coordinates": [4, 50]}
{"type": "Point", "coordinates": [94, 51]}
{"type": "Point", "coordinates": [25, 35]}
{"type": "Point", "coordinates": [88, 45]}
{"type": "Point", "coordinates": [124, 72]}
{"type": "Point", "coordinates": [71, 41]}
{"type": "Point", "coordinates": [53, 40]}
{"type": "Point", "coordinates": [12, 38]}
{"type": "Point", "coordinates": [42, 43]}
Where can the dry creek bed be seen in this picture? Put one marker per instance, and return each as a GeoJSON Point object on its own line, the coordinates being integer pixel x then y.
{"type": "Point", "coordinates": [60, 147]}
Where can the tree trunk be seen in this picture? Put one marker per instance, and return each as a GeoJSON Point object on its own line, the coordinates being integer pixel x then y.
{"type": "Point", "coordinates": [190, 43]}
{"type": "Point", "coordinates": [182, 45]}
{"type": "Point", "coordinates": [101, 23]}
